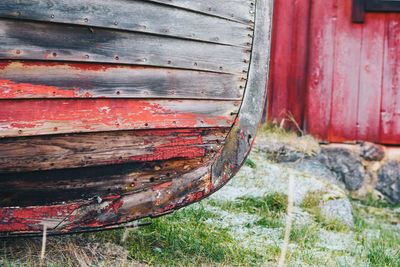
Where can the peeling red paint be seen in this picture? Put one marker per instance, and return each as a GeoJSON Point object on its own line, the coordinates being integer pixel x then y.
{"type": "Point", "coordinates": [10, 89]}
{"type": "Point", "coordinates": [164, 185]}
{"type": "Point", "coordinates": [24, 219]}
{"type": "Point", "coordinates": [41, 116]}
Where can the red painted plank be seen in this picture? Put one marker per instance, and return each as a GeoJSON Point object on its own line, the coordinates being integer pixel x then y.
{"type": "Point", "coordinates": [371, 68]}
{"type": "Point", "coordinates": [35, 117]}
{"type": "Point", "coordinates": [320, 68]}
{"type": "Point", "coordinates": [390, 113]}
{"type": "Point", "coordinates": [281, 57]}
{"type": "Point", "coordinates": [298, 66]}
{"type": "Point", "coordinates": [346, 76]}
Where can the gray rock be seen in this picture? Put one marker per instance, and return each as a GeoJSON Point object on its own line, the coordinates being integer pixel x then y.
{"type": "Point", "coordinates": [346, 165]}
{"type": "Point", "coordinates": [371, 152]}
{"type": "Point", "coordinates": [389, 181]}
{"type": "Point", "coordinates": [339, 209]}
{"type": "Point", "coordinates": [315, 168]}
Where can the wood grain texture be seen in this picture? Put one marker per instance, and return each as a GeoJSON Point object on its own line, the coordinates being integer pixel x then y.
{"type": "Point", "coordinates": [91, 183]}
{"type": "Point", "coordinates": [238, 10]}
{"type": "Point", "coordinates": [131, 15]}
{"type": "Point", "coordinates": [390, 107]}
{"type": "Point", "coordinates": [371, 75]}
{"type": "Point", "coordinates": [55, 42]}
{"type": "Point", "coordinates": [38, 117]}
{"type": "Point", "coordinates": [352, 86]}
{"type": "Point", "coordinates": [344, 102]}
{"type": "Point", "coordinates": [106, 148]}
{"type": "Point", "coordinates": [320, 73]}
{"type": "Point", "coordinates": [289, 60]}
{"type": "Point", "coordinates": [30, 79]}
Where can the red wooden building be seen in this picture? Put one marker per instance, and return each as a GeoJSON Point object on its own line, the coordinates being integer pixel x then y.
{"type": "Point", "coordinates": [336, 72]}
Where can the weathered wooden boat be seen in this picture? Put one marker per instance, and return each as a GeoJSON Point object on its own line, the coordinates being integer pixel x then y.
{"type": "Point", "coordinates": [112, 111]}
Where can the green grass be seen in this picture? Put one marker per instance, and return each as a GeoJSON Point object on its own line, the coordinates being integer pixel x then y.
{"type": "Point", "coordinates": [183, 238]}
{"type": "Point", "coordinates": [312, 202]}
{"type": "Point", "coordinates": [268, 208]}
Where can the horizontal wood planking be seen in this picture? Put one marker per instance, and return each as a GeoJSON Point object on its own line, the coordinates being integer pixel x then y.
{"type": "Point", "coordinates": [105, 148]}
{"type": "Point", "coordinates": [38, 117]}
{"type": "Point", "coordinates": [99, 183]}
{"type": "Point", "coordinates": [240, 10]}
{"type": "Point", "coordinates": [141, 16]}
{"type": "Point", "coordinates": [34, 79]}
{"type": "Point", "coordinates": [55, 42]}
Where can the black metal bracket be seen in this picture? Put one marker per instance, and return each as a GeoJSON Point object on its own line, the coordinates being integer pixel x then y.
{"type": "Point", "coordinates": [362, 6]}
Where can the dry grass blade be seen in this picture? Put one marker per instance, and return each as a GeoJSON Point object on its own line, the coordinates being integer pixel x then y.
{"type": "Point", "coordinates": [288, 226]}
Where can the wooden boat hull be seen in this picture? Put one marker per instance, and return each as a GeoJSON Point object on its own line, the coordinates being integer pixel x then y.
{"type": "Point", "coordinates": [106, 120]}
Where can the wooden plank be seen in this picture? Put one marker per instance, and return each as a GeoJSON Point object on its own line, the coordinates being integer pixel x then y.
{"type": "Point", "coordinates": [131, 15]}
{"type": "Point", "coordinates": [390, 111]}
{"type": "Point", "coordinates": [238, 10]}
{"type": "Point", "coordinates": [281, 58]}
{"type": "Point", "coordinates": [320, 74]}
{"type": "Point", "coordinates": [371, 74]}
{"type": "Point", "coordinates": [298, 62]}
{"type": "Point", "coordinates": [345, 83]}
{"type": "Point", "coordinates": [98, 183]}
{"type": "Point", "coordinates": [81, 80]}
{"type": "Point", "coordinates": [95, 149]}
{"type": "Point", "coordinates": [55, 42]}
{"type": "Point", "coordinates": [37, 117]}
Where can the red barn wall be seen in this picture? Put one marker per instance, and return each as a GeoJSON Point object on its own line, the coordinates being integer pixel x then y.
{"type": "Point", "coordinates": [339, 80]}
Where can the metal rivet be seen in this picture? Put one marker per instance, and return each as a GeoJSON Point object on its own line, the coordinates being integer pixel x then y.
{"type": "Point", "coordinates": [54, 54]}
{"type": "Point", "coordinates": [116, 58]}
{"type": "Point", "coordinates": [85, 20]}
{"type": "Point", "coordinates": [115, 23]}
{"type": "Point", "coordinates": [52, 16]}
{"type": "Point", "coordinates": [20, 131]}
{"type": "Point", "coordinates": [17, 52]}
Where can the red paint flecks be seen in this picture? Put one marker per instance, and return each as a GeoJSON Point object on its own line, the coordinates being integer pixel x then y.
{"type": "Point", "coordinates": [28, 219]}
{"type": "Point", "coordinates": [164, 185]}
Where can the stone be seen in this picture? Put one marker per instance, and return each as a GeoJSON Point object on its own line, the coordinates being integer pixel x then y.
{"type": "Point", "coordinates": [346, 165]}
{"type": "Point", "coordinates": [389, 181]}
{"type": "Point", "coordinates": [371, 152]}
{"type": "Point", "coordinates": [338, 209]}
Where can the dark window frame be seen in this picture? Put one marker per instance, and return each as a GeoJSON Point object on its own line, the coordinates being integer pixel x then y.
{"type": "Point", "coordinates": [362, 6]}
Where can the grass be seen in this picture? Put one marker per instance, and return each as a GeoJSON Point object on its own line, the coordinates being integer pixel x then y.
{"type": "Point", "coordinates": [184, 238]}
{"type": "Point", "coordinates": [312, 202]}
{"type": "Point", "coordinates": [273, 133]}
{"type": "Point", "coordinates": [268, 208]}
{"type": "Point", "coordinates": [234, 231]}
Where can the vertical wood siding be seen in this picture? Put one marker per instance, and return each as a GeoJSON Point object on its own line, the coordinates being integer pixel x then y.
{"type": "Point", "coordinates": [339, 80]}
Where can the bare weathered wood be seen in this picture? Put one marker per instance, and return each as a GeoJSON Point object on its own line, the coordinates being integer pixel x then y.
{"type": "Point", "coordinates": [73, 80]}
{"type": "Point", "coordinates": [105, 182]}
{"type": "Point", "coordinates": [106, 148]}
{"type": "Point", "coordinates": [132, 15]}
{"type": "Point", "coordinates": [207, 175]}
{"type": "Point", "coordinates": [238, 10]}
{"type": "Point", "coordinates": [56, 116]}
{"type": "Point", "coordinates": [54, 42]}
